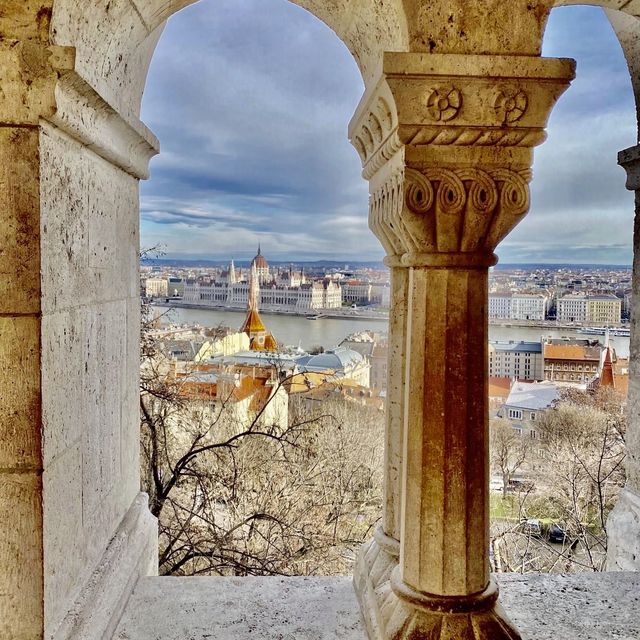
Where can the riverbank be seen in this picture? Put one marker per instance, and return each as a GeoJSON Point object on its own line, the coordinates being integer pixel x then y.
{"type": "Point", "coordinates": [362, 313]}
{"type": "Point", "coordinates": [312, 314]}
{"type": "Point", "coordinates": [296, 330]}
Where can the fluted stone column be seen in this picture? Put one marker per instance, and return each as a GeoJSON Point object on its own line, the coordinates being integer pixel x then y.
{"type": "Point", "coordinates": [447, 145]}
{"type": "Point", "coordinates": [623, 526]}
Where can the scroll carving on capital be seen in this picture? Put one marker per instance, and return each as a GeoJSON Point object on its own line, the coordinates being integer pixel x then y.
{"type": "Point", "coordinates": [441, 210]}
{"type": "Point", "coordinates": [374, 129]}
{"type": "Point", "coordinates": [385, 214]}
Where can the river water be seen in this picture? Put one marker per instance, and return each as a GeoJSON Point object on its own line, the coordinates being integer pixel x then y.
{"type": "Point", "coordinates": [328, 332]}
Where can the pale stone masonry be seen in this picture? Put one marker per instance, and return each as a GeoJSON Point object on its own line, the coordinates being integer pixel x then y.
{"type": "Point", "coordinates": [445, 131]}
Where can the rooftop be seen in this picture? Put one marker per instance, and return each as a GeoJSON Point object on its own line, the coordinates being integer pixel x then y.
{"type": "Point", "coordinates": [334, 360]}
{"type": "Point", "coordinates": [572, 352]}
{"type": "Point", "coordinates": [531, 347]}
{"type": "Point", "coordinates": [532, 395]}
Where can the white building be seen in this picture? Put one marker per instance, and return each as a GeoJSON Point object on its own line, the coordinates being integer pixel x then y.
{"type": "Point", "coordinates": [157, 287]}
{"type": "Point", "coordinates": [500, 306]}
{"type": "Point", "coordinates": [309, 296]}
{"type": "Point", "coordinates": [526, 403]}
{"type": "Point", "coordinates": [597, 309]}
{"type": "Point", "coordinates": [518, 306]}
{"type": "Point", "coordinates": [525, 306]}
{"type": "Point", "coordinates": [354, 291]}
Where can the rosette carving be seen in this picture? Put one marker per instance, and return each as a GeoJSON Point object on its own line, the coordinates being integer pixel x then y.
{"type": "Point", "coordinates": [511, 104]}
{"type": "Point", "coordinates": [443, 103]}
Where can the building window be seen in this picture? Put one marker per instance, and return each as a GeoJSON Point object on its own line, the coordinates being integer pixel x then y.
{"type": "Point", "coordinates": [515, 413]}
{"type": "Point", "coordinates": [532, 415]}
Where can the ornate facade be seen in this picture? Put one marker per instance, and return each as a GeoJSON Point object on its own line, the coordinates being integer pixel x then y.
{"type": "Point", "coordinates": [281, 290]}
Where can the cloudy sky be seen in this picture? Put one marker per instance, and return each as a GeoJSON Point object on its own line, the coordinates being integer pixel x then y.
{"type": "Point", "coordinates": [252, 106]}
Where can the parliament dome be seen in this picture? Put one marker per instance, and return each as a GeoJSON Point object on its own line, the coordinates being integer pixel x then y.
{"type": "Point", "coordinates": [259, 261]}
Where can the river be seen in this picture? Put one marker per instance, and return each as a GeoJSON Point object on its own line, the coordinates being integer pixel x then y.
{"type": "Point", "coordinates": [328, 332]}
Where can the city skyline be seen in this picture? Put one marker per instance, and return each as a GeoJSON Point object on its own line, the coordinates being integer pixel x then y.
{"type": "Point", "coordinates": [248, 152]}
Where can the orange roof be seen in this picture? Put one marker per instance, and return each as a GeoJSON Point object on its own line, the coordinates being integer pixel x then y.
{"type": "Point", "coordinates": [264, 342]}
{"type": "Point", "coordinates": [606, 377]}
{"type": "Point", "coordinates": [571, 352]}
{"type": "Point", "coordinates": [499, 387]}
{"type": "Point", "coordinates": [615, 374]}
{"type": "Point", "coordinates": [253, 323]}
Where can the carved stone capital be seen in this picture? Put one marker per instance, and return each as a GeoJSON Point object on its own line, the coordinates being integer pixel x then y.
{"type": "Point", "coordinates": [629, 160]}
{"type": "Point", "coordinates": [448, 211]}
{"type": "Point", "coordinates": [29, 72]}
{"type": "Point", "coordinates": [449, 108]}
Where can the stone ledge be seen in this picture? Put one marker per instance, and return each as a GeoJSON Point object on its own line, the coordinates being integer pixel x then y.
{"type": "Point", "coordinates": [545, 607]}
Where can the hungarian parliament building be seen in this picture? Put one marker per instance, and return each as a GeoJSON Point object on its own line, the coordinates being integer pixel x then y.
{"type": "Point", "coordinates": [285, 289]}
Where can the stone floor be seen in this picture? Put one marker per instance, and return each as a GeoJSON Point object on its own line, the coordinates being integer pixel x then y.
{"type": "Point", "coordinates": [584, 607]}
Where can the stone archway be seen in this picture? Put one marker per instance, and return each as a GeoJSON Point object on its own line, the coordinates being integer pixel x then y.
{"type": "Point", "coordinates": [72, 150]}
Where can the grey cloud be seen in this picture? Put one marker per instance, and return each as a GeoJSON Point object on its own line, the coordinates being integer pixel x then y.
{"type": "Point", "coordinates": [252, 108]}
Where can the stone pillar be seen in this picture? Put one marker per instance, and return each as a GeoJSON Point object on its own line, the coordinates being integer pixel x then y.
{"type": "Point", "coordinates": [29, 70]}
{"type": "Point", "coordinates": [623, 526]}
{"type": "Point", "coordinates": [73, 528]}
{"type": "Point", "coordinates": [447, 144]}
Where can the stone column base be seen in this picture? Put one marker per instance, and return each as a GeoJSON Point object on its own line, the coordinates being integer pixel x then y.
{"type": "Point", "coordinates": [371, 578]}
{"type": "Point", "coordinates": [418, 616]}
{"type": "Point", "coordinates": [623, 531]}
{"type": "Point", "coordinates": [131, 554]}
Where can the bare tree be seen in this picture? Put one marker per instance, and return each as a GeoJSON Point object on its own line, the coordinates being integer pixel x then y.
{"type": "Point", "coordinates": [257, 497]}
{"type": "Point", "coordinates": [509, 450]}
{"type": "Point", "coordinates": [578, 474]}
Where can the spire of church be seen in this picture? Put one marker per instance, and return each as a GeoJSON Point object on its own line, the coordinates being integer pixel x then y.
{"type": "Point", "coordinates": [260, 339]}
{"type": "Point", "coordinates": [232, 273]}
{"type": "Point", "coordinates": [259, 253]}
{"type": "Point", "coordinates": [254, 288]}
{"type": "Point", "coordinates": [606, 375]}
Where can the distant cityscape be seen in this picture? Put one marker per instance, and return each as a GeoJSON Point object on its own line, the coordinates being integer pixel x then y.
{"type": "Point", "coordinates": [591, 296]}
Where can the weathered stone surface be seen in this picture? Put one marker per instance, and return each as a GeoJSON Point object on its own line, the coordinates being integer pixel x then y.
{"type": "Point", "coordinates": [623, 529]}
{"type": "Point", "coordinates": [623, 526]}
{"type": "Point", "coordinates": [104, 587]}
{"type": "Point", "coordinates": [63, 362]}
{"type": "Point", "coordinates": [20, 220]}
{"type": "Point", "coordinates": [89, 223]}
{"type": "Point", "coordinates": [242, 609]}
{"type": "Point", "coordinates": [25, 19]}
{"type": "Point", "coordinates": [130, 405]}
{"type": "Point", "coordinates": [587, 606]}
{"type": "Point", "coordinates": [20, 393]}
{"type": "Point", "coordinates": [447, 143]}
{"type": "Point", "coordinates": [29, 71]}
{"type": "Point", "coordinates": [577, 607]}
{"type": "Point", "coordinates": [21, 572]}
{"type": "Point", "coordinates": [70, 211]}
{"type": "Point", "coordinates": [65, 558]}
{"type": "Point", "coordinates": [90, 356]}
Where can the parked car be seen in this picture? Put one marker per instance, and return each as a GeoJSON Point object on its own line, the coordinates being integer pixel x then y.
{"type": "Point", "coordinates": [556, 533]}
{"type": "Point", "coordinates": [532, 527]}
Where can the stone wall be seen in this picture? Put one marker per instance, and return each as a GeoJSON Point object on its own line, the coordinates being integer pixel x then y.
{"type": "Point", "coordinates": [90, 334]}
